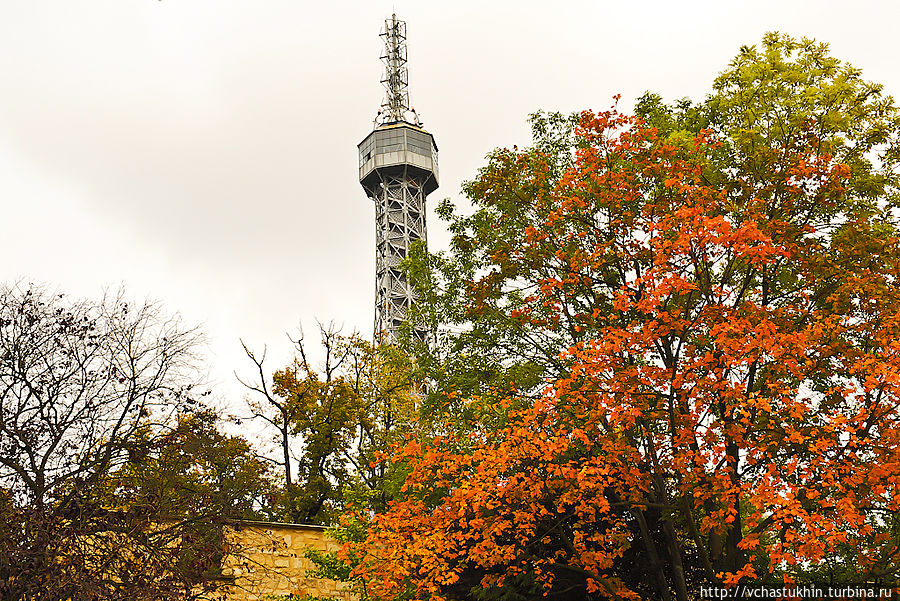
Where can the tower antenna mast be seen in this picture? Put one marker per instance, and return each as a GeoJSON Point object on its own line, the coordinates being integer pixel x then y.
{"type": "Point", "coordinates": [396, 76]}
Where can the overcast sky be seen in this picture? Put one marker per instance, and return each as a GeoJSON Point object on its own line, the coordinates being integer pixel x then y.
{"type": "Point", "coordinates": [203, 152]}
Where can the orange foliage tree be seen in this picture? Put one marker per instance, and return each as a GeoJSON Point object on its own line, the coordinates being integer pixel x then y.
{"type": "Point", "coordinates": [725, 409]}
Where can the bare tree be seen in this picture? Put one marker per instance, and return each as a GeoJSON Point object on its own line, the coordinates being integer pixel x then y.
{"type": "Point", "coordinates": [76, 382]}
{"type": "Point", "coordinates": [83, 387]}
{"type": "Point", "coordinates": [276, 412]}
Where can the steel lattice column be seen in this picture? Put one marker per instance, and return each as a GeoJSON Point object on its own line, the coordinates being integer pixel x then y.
{"type": "Point", "coordinates": [399, 221]}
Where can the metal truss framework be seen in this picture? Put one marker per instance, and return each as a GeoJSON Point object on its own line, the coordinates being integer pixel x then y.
{"type": "Point", "coordinates": [399, 221]}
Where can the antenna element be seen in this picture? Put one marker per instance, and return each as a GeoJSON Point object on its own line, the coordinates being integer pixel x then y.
{"type": "Point", "coordinates": [395, 107]}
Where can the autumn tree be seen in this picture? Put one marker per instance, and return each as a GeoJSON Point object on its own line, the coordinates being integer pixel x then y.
{"type": "Point", "coordinates": [767, 103]}
{"type": "Point", "coordinates": [198, 481]}
{"type": "Point", "coordinates": [685, 349]}
{"type": "Point", "coordinates": [89, 395]}
{"type": "Point", "coordinates": [192, 468]}
{"type": "Point", "coordinates": [330, 423]}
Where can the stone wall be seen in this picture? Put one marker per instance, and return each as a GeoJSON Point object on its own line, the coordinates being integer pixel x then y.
{"type": "Point", "coordinates": [266, 559]}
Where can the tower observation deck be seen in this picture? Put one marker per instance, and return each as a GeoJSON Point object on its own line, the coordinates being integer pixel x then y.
{"type": "Point", "coordinates": [398, 168]}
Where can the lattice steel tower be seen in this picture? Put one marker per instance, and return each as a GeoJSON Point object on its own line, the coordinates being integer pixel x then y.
{"type": "Point", "coordinates": [398, 168]}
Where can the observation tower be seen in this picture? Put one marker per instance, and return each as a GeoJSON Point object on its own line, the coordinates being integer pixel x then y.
{"type": "Point", "coordinates": [398, 168]}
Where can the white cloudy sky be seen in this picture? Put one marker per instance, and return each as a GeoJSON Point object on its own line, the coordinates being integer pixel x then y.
{"type": "Point", "coordinates": [204, 151]}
